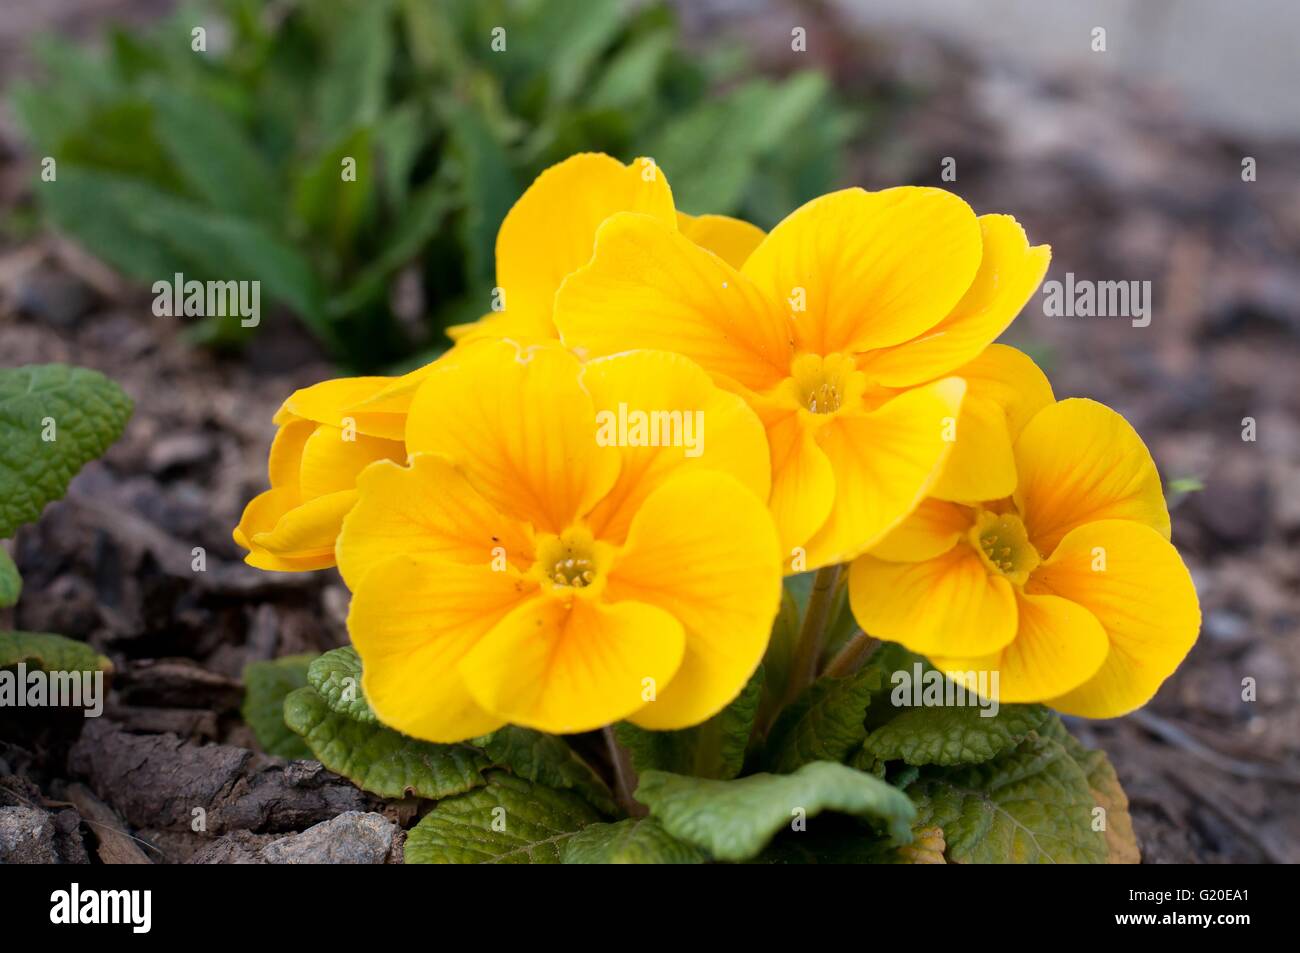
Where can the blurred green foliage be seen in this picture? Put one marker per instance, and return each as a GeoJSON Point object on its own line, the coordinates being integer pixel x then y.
{"type": "Point", "coordinates": [227, 163]}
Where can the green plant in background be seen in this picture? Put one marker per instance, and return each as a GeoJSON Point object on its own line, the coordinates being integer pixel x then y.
{"type": "Point", "coordinates": [233, 162]}
{"type": "Point", "coordinates": [53, 420]}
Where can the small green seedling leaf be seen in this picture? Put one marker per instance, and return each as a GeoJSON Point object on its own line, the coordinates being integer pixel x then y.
{"type": "Point", "coordinates": [11, 583]}
{"type": "Point", "coordinates": [53, 420]}
{"type": "Point", "coordinates": [50, 653]}
{"type": "Point", "coordinates": [336, 676]}
{"type": "Point", "coordinates": [266, 685]}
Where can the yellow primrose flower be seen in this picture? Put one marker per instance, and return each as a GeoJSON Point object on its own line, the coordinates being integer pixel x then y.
{"type": "Point", "coordinates": [328, 433]}
{"type": "Point", "coordinates": [551, 231]}
{"type": "Point", "coordinates": [1069, 588]}
{"type": "Point", "coordinates": [547, 559]}
{"type": "Point", "coordinates": [845, 329]}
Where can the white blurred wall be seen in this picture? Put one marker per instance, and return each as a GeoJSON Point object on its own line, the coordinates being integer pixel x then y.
{"type": "Point", "coordinates": [1235, 63]}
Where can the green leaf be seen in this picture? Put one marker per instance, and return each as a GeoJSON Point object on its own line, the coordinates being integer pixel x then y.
{"type": "Point", "coordinates": [11, 583]}
{"type": "Point", "coordinates": [714, 749]}
{"type": "Point", "coordinates": [734, 820]}
{"type": "Point", "coordinates": [379, 759]}
{"type": "Point", "coordinates": [350, 92]}
{"type": "Point", "coordinates": [954, 734]}
{"type": "Point", "coordinates": [825, 723]}
{"type": "Point", "coordinates": [741, 125]}
{"type": "Point", "coordinates": [215, 157]}
{"type": "Point", "coordinates": [636, 840]}
{"type": "Point", "coordinates": [1107, 793]}
{"type": "Point", "coordinates": [50, 653]}
{"type": "Point", "coordinates": [266, 685]}
{"type": "Point", "coordinates": [336, 677]}
{"type": "Point", "coordinates": [150, 235]}
{"type": "Point", "coordinates": [630, 77]}
{"type": "Point", "coordinates": [53, 420]}
{"type": "Point", "coordinates": [572, 35]}
{"type": "Point", "coordinates": [1028, 805]}
{"type": "Point", "coordinates": [488, 189]}
{"type": "Point", "coordinates": [324, 203]}
{"type": "Point", "coordinates": [547, 760]}
{"type": "Point", "coordinates": [510, 821]}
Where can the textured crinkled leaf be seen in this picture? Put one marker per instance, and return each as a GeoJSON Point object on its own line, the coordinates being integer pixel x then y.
{"type": "Point", "coordinates": [1121, 841]}
{"type": "Point", "coordinates": [50, 653]}
{"type": "Point", "coordinates": [81, 409]}
{"type": "Point", "coordinates": [547, 760]}
{"type": "Point", "coordinates": [11, 583]}
{"type": "Point", "coordinates": [636, 840]}
{"type": "Point", "coordinates": [1028, 805]}
{"type": "Point", "coordinates": [266, 685]}
{"type": "Point", "coordinates": [714, 749]}
{"type": "Point", "coordinates": [953, 734]}
{"type": "Point", "coordinates": [510, 821]}
{"type": "Point", "coordinates": [889, 659]}
{"type": "Point", "coordinates": [734, 820]}
{"type": "Point", "coordinates": [379, 759]}
{"type": "Point", "coordinates": [825, 723]}
{"type": "Point", "coordinates": [336, 676]}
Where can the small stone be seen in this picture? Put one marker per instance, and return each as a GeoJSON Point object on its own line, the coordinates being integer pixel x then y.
{"type": "Point", "coordinates": [27, 836]}
{"type": "Point", "coordinates": [350, 838]}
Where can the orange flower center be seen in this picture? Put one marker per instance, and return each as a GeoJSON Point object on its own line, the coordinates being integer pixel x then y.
{"type": "Point", "coordinates": [1003, 544]}
{"type": "Point", "coordinates": [571, 560]}
{"type": "Point", "coordinates": [822, 385]}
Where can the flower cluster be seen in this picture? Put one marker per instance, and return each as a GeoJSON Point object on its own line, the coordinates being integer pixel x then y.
{"type": "Point", "coordinates": [530, 540]}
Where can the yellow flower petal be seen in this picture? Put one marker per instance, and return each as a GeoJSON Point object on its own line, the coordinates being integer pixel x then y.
{"type": "Point", "coordinates": [1079, 462]}
{"type": "Point", "coordinates": [931, 530]}
{"type": "Point", "coordinates": [731, 239]}
{"type": "Point", "coordinates": [885, 463]}
{"type": "Point", "coordinates": [308, 529]}
{"type": "Point", "coordinates": [520, 426]}
{"type": "Point", "coordinates": [981, 465]}
{"type": "Point", "coordinates": [285, 461]}
{"type": "Point", "coordinates": [654, 397]}
{"type": "Point", "coordinates": [870, 269]}
{"type": "Point", "coordinates": [260, 516]}
{"type": "Point", "coordinates": [948, 606]}
{"type": "Point", "coordinates": [413, 619]}
{"type": "Point", "coordinates": [333, 402]}
{"type": "Point", "coordinates": [551, 230]}
{"type": "Point", "coordinates": [650, 287]}
{"type": "Point", "coordinates": [1058, 646]}
{"type": "Point", "coordinates": [1004, 389]}
{"type": "Point", "coordinates": [568, 666]}
{"type": "Point", "coordinates": [427, 509]}
{"type": "Point", "coordinates": [331, 463]}
{"type": "Point", "coordinates": [1010, 379]}
{"type": "Point", "coordinates": [704, 549]}
{"type": "Point", "coordinates": [803, 483]}
{"type": "Point", "coordinates": [384, 413]}
{"type": "Point", "coordinates": [1129, 577]}
{"type": "Point", "coordinates": [1009, 272]}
